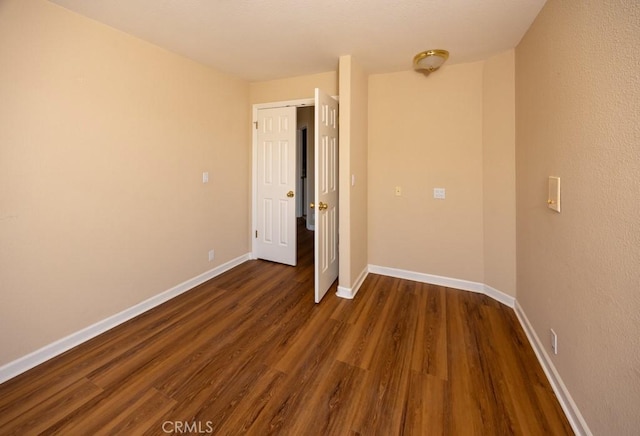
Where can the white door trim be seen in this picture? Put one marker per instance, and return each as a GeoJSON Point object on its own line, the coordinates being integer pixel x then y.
{"type": "Point", "coordinates": [254, 160]}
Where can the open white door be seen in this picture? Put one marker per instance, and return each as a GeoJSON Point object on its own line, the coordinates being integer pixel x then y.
{"type": "Point", "coordinates": [326, 193]}
{"type": "Point", "coordinates": [276, 160]}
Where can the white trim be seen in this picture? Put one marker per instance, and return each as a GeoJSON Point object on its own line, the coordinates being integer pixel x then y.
{"type": "Point", "coordinates": [301, 102]}
{"type": "Point", "coordinates": [254, 182]}
{"type": "Point", "coordinates": [350, 293]}
{"type": "Point", "coordinates": [449, 282]}
{"type": "Point", "coordinates": [47, 352]}
{"type": "Point", "coordinates": [575, 418]}
{"type": "Point", "coordinates": [344, 292]}
{"type": "Point", "coordinates": [500, 296]}
{"type": "Point", "coordinates": [578, 424]}
{"type": "Point", "coordinates": [465, 285]}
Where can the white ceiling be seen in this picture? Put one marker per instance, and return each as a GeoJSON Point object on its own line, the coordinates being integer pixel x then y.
{"type": "Point", "coordinates": [269, 39]}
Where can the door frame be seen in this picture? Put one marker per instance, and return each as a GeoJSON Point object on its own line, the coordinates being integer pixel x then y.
{"type": "Point", "coordinates": [254, 159]}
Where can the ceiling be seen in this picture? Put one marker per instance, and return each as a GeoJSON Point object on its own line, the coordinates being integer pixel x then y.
{"type": "Point", "coordinates": [269, 39]}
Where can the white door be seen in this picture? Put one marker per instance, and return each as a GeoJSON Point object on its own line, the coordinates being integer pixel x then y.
{"type": "Point", "coordinates": [326, 193]}
{"type": "Point", "coordinates": [276, 213]}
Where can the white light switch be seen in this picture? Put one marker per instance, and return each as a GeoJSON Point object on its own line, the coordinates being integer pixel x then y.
{"type": "Point", "coordinates": [205, 177]}
{"type": "Point", "coordinates": [353, 180]}
{"type": "Point", "coordinates": [439, 193]}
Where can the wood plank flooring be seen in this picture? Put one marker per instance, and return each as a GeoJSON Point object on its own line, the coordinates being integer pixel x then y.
{"type": "Point", "coordinates": [249, 352]}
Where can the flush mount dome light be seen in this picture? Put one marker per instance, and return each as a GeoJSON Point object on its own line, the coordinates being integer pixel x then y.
{"type": "Point", "coordinates": [429, 61]}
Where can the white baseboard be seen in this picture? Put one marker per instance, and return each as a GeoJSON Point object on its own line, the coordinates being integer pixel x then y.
{"type": "Point", "coordinates": [350, 293]}
{"type": "Point", "coordinates": [578, 424]}
{"type": "Point", "coordinates": [449, 282]}
{"type": "Point", "coordinates": [465, 285]}
{"type": "Point", "coordinates": [58, 347]}
{"type": "Point", "coordinates": [500, 296]}
{"type": "Point", "coordinates": [47, 352]}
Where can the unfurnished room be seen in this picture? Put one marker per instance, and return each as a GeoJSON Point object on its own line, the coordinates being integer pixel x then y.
{"type": "Point", "coordinates": [341, 217]}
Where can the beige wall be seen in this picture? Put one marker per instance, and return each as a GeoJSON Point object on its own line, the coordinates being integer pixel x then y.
{"type": "Point", "coordinates": [426, 132]}
{"type": "Point", "coordinates": [353, 162]}
{"type": "Point", "coordinates": [498, 172]}
{"type": "Point", "coordinates": [104, 138]}
{"type": "Point", "coordinates": [293, 88]}
{"type": "Point", "coordinates": [103, 141]}
{"type": "Point", "coordinates": [578, 117]}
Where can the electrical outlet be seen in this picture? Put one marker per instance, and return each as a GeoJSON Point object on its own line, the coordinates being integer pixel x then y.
{"type": "Point", "coordinates": [211, 255]}
{"type": "Point", "coordinates": [439, 193]}
{"type": "Point", "coordinates": [554, 341]}
{"type": "Point", "coordinates": [205, 177]}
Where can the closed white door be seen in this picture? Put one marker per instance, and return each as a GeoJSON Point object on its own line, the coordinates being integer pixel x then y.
{"type": "Point", "coordinates": [326, 193]}
{"type": "Point", "coordinates": [276, 171]}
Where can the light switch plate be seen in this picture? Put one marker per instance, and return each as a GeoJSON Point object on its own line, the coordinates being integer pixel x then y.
{"type": "Point", "coordinates": [553, 200]}
{"type": "Point", "coordinates": [439, 193]}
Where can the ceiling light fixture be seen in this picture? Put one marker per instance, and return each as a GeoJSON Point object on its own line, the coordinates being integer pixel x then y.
{"type": "Point", "coordinates": [429, 61]}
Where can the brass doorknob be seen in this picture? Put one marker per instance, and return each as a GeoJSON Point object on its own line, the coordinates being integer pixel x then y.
{"type": "Point", "coordinates": [312, 205]}
{"type": "Point", "coordinates": [322, 206]}
{"type": "Point", "coordinates": [290, 194]}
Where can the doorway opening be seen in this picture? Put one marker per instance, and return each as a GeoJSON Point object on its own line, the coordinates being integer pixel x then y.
{"type": "Point", "coordinates": [305, 187]}
{"type": "Point", "coordinates": [301, 171]}
{"type": "Point", "coordinates": [305, 170]}
{"type": "Point", "coordinates": [295, 179]}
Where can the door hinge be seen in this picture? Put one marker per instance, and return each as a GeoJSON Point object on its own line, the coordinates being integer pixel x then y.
{"type": "Point", "coordinates": [256, 234]}
{"type": "Point", "coordinates": [255, 123]}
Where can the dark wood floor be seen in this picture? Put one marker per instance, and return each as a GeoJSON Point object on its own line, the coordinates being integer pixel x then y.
{"type": "Point", "coordinates": [249, 352]}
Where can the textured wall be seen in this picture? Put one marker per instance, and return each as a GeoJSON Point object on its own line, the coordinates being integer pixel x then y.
{"type": "Point", "coordinates": [293, 88]}
{"type": "Point", "coordinates": [578, 117]}
{"type": "Point", "coordinates": [499, 172]}
{"type": "Point", "coordinates": [353, 162]}
{"type": "Point", "coordinates": [103, 141]}
{"type": "Point", "coordinates": [426, 132]}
